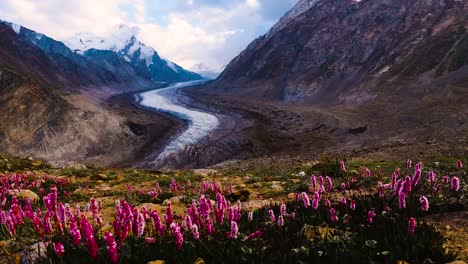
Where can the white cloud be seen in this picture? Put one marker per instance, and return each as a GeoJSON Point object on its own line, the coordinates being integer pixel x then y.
{"type": "Point", "coordinates": [185, 31]}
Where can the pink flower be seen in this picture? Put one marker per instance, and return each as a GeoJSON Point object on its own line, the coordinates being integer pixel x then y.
{"type": "Point", "coordinates": [424, 203]}
{"type": "Point", "coordinates": [446, 179]}
{"type": "Point", "coordinates": [455, 183]}
{"type": "Point", "coordinates": [280, 220]}
{"type": "Point", "coordinates": [408, 163]}
{"type": "Point", "coordinates": [402, 200]}
{"type": "Point", "coordinates": [370, 217]}
{"type": "Point", "coordinates": [333, 215]}
{"type": "Point", "coordinates": [195, 232]}
{"type": "Point", "coordinates": [254, 235]}
{"type": "Point", "coordinates": [313, 180]}
{"type": "Point", "coordinates": [234, 230]}
{"type": "Point", "coordinates": [250, 216]}
{"type": "Point", "coordinates": [411, 225]}
{"type": "Point", "coordinates": [111, 247]}
{"type": "Point", "coordinates": [459, 164]}
{"type": "Point", "coordinates": [159, 228]}
{"type": "Point", "coordinates": [344, 201]}
{"type": "Point", "coordinates": [416, 178]}
{"type": "Point", "coordinates": [168, 217]}
{"type": "Point", "coordinates": [272, 216]}
{"type": "Point", "coordinates": [59, 249]}
{"type": "Point", "coordinates": [327, 203]}
{"type": "Point", "coordinates": [177, 235]}
{"type": "Point", "coordinates": [352, 205]}
{"type": "Point", "coordinates": [139, 224]}
{"type": "Point", "coordinates": [315, 200]}
{"type": "Point", "coordinates": [305, 200]}
{"type": "Point", "coordinates": [329, 184]}
{"type": "Point", "coordinates": [283, 209]}
{"type": "Point", "coordinates": [342, 166]}
{"type": "Point", "coordinates": [432, 176]}
{"type": "Point", "coordinates": [407, 185]}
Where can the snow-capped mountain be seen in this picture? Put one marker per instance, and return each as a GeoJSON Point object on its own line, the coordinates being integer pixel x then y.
{"type": "Point", "coordinates": [123, 42]}
{"type": "Point", "coordinates": [205, 71]}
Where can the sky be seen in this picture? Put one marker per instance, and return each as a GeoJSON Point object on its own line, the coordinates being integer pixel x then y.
{"type": "Point", "coordinates": [187, 32]}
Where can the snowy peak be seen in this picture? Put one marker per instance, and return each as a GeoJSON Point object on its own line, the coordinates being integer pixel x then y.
{"type": "Point", "coordinates": [122, 40]}
{"type": "Point", "coordinates": [15, 27]}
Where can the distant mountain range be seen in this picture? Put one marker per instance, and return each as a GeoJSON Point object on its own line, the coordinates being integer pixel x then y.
{"type": "Point", "coordinates": [124, 43]}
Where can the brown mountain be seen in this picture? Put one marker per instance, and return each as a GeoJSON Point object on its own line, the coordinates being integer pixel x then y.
{"type": "Point", "coordinates": [344, 74]}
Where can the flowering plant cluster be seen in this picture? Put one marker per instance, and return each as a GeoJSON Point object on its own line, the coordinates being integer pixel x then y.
{"type": "Point", "coordinates": [212, 226]}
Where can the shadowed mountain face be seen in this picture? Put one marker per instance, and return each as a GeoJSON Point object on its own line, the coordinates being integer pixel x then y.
{"type": "Point", "coordinates": [331, 51]}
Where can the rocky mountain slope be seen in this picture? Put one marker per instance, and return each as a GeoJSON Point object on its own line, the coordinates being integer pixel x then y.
{"type": "Point", "coordinates": [329, 51]}
{"type": "Point", "coordinates": [123, 42]}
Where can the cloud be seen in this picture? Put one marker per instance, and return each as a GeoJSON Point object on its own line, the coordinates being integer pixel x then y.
{"type": "Point", "coordinates": [187, 32]}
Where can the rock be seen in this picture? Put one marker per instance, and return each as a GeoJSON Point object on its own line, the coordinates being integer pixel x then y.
{"type": "Point", "coordinates": [301, 174]}
{"type": "Point", "coordinates": [257, 185]}
{"type": "Point", "coordinates": [105, 187]}
{"type": "Point", "coordinates": [26, 194]}
{"type": "Point", "coordinates": [277, 187]}
{"type": "Point", "coordinates": [102, 176]}
{"type": "Point", "coordinates": [199, 261]}
{"type": "Point", "coordinates": [173, 200]}
{"type": "Point", "coordinates": [205, 172]}
{"type": "Point", "coordinates": [241, 186]}
{"type": "Point", "coordinates": [30, 254]}
{"type": "Point", "coordinates": [295, 180]}
{"type": "Point", "coordinates": [291, 195]}
{"type": "Point", "coordinates": [157, 262]}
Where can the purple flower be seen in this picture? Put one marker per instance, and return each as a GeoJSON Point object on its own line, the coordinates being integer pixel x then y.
{"type": "Point", "coordinates": [342, 166]}
{"type": "Point", "coordinates": [407, 185]}
{"type": "Point", "coordinates": [411, 225]}
{"type": "Point", "coordinates": [59, 249]}
{"type": "Point", "coordinates": [168, 216]}
{"type": "Point", "coordinates": [272, 215]}
{"type": "Point", "coordinates": [432, 176]}
{"type": "Point", "coordinates": [159, 228]}
{"type": "Point", "coordinates": [196, 234]}
{"type": "Point", "coordinates": [234, 230]}
{"type": "Point", "coordinates": [313, 180]}
{"type": "Point", "coordinates": [315, 200]}
{"type": "Point", "coordinates": [305, 199]}
{"type": "Point", "coordinates": [329, 184]}
{"type": "Point", "coordinates": [455, 183]}
{"type": "Point", "coordinates": [408, 163]}
{"type": "Point", "coordinates": [459, 164]}
{"type": "Point", "coordinates": [352, 205]}
{"type": "Point", "coordinates": [177, 235]}
{"type": "Point", "coordinates": [111, 247]}
{"type": "Point", "coordinates": [344, 201]}
{"type": "Point", "coordinates": [416, 178]}
{"type": "Point", "coordinates": [254, 235]}
{"type": "Point", "coordinates": [424, 203]}
{"type": "Point", "coordinates": [446, 179]}
{"type": "Point", "coordinates": [370, 217]}
{"type": "Point", "coordinates": [402, 200]}
{"type": "Point", "coordinates": [283, 209]}
{"type": "Point", "coordinates": [250, 216]}
{"type": "Point", "coordinates": [280, 220]}
{"type": "Point", "coordinates": [333, 215]}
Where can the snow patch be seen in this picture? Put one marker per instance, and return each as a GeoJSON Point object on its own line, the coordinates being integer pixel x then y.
{"type": "Point", "coordinates": [171, 65]}
{"type": "Point", "coordinates": [16, 28]}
